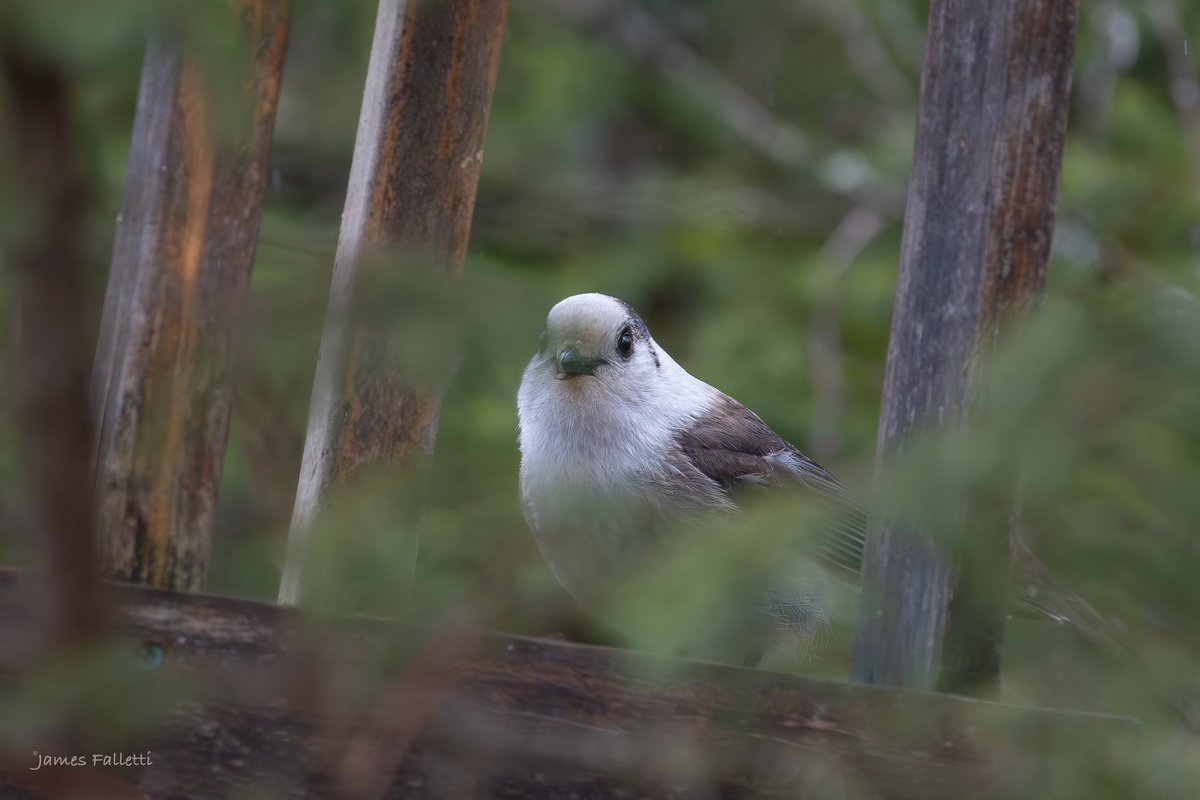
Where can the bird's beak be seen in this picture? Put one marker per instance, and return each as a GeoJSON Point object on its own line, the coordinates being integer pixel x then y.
{"type": "Point", "coordinates": [570, 364]}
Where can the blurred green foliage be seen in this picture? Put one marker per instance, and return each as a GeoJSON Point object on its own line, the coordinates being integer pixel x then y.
{"type": "Point", "coordinates": [767, 273]}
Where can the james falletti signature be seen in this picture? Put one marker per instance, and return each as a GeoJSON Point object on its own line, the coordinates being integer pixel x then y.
{"type": "Point", "coordinates": [92, 760]}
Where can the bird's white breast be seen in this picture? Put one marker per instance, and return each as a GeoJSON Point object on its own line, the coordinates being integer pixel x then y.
{"type": "Point", "coordinates": [592, 461]}
{"type": "Point", "coordinates": [603, 434]}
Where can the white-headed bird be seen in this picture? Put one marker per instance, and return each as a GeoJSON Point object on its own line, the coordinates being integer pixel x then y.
{"type": "Point", "coordinates": [621, 447]}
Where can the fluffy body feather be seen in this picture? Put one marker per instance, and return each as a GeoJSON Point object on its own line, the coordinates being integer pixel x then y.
{"type": "Point", "coordinates": [620, 444]}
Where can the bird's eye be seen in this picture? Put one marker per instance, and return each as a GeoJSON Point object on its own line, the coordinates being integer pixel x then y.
{"type": "Point", "coordinates": [625, 343]}
{"type": "Point", "coordinates": [543, 341]}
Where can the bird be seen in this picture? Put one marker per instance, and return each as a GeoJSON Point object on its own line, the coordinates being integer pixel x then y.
{"type": "Point", "coordinates": [621, 448]}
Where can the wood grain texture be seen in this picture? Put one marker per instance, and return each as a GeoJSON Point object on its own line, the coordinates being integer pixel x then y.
{"type": "Point", "coordinates": [408, 210]}
{"type": "Point", "coordinates": [180, 274]}
{"type": "Point", "coordinates": [371, 708]}
{"type": "Point", "coordinates": [980, 215]}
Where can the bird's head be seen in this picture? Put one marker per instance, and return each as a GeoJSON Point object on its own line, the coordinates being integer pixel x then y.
{"type": "Point", "coordinates": [596, 340]}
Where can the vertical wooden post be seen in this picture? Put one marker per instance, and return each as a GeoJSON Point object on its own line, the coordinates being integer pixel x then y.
{"type": "Point", "coordinates": [993, 109]}
{"type": "Point", "coordinates": [180, 273]}
{"type": "Point", "coordinates": [411, 191]}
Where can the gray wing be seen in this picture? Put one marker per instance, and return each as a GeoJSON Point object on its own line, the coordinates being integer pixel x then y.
{"type": "Point", "coordinates": [734, 448]}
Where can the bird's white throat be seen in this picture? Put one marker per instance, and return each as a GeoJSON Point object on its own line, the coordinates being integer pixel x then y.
{"type": "Point", "coordinates": [600, 430]}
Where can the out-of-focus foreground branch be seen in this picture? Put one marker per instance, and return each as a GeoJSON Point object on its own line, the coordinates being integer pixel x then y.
{"type": "Point", "coordinates": [41, 248]}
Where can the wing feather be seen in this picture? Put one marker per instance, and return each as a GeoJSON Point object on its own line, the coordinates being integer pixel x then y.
{"type": "Point", "coordinates": [733, 447]}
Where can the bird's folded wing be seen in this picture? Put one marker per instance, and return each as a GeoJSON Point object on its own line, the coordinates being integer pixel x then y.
{"type": "Point", "coordinates": [733, 447]}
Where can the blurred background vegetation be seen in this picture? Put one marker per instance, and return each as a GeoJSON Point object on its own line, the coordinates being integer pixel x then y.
{"type": "Point", "coordinates": [737, 174]}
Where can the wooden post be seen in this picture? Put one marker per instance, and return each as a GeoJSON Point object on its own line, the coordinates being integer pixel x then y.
{"type": "Point", "coordinates": [412, 193]}
{"type": "Point", "coordinates": [993, 111]}
{"type": "Point", "coordinates": [180, 273]}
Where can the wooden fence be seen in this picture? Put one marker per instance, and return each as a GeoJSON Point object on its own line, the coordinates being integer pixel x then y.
{"type": "Point", "coordinates": [455, 712]}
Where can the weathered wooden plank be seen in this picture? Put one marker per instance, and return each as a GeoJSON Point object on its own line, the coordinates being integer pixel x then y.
{"type": "Point", "coordinates": [180, 273]}
{"type": "Point", "coordinates": [412, 194]}
{"type": "Point", "coordinates": [980, 214]}
{"type": "Point", "coordinates": [372, 708]}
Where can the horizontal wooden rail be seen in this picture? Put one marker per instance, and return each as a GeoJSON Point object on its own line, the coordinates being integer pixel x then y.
{"type": "Point", "coordinates": [368, 708]}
